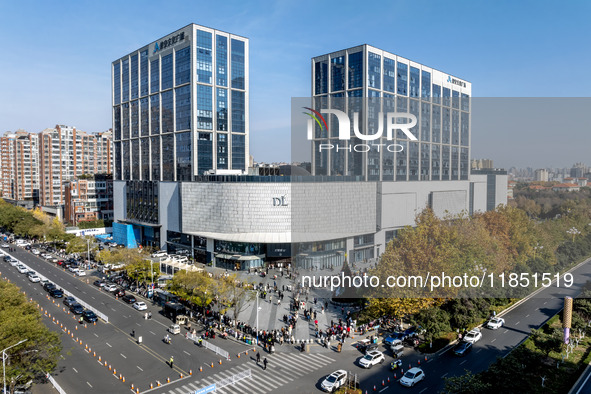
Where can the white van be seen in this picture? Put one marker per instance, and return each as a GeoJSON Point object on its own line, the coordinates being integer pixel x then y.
{"type": "Point", "coordinates": [22, 243]}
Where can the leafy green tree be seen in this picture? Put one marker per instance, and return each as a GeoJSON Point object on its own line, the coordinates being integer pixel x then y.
{"type": "Point", "coordinates": [123, 256]}
{"type": "Point", "coordinates": [94, 224]}
{"type": "Point", "coordinates": [434, 321]}
{"type": "Point", "coordinates": [143, 271]}
{"type": "Point", "coordinates": [77, 245]}
{"type": "Point", "coordinates": [234, 295]}
{"type": "Point", "coordinates": [19, 320]}
{"type": "Point", "coordinates": [546, 342]}
{"type": "Point", "coordinates": [26, 224]}
{"type": "Point", "coordinates": [196, 287]}
{"type": "Point", "coordinates": [465, 384]}
{"type": "Point", "coordinates": [55, 232]}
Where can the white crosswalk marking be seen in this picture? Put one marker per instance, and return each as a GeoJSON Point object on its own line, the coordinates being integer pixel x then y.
{"type": "Point", "coordinates": [309, 360]}
{"type": "Point", "coordinates": [322, 356]}
{"type": "Point", "coordinates": [276, 377]}
{"type": "Point", "coordinates": [237, 386]}
{"type": "Point", "coordinates": [292, 367]}
{"type": "Point", "coordinates": [252, 386]}
{"type": "Point", "coordinates": [261, 381]}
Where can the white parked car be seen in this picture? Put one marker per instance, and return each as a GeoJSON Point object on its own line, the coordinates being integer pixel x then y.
{"type": "Point", "coordinates": [372, 358]}
{"type": "Point", "coordinates": [5, 245]}
{"type": "Point", "coordinates": [80, 272]}
{"type": "Point", "coordinates": [160, 253]}
{"type": "Point", "coordinates": [473, 336]}
{"type": "Point", "coordinates": [73, 269]}
{"type": "Point", "coordinates": [495, 322]}
{"type": "Point", "coordinates": [35, 251]}
{"type": "Point", "coordinates": [412, 377]}
{"type": "Point", "coordinates": [46, 256]}
{"type": "Point", "coordinates": [110, 287]}
{"type": "Point", "coordinates": [22, 269]}
{"type": "Point", "coordinates": [140, 305]}
{"type": "Point", "coordinates": [179, 258]}
{"type": "Point", "coordinates": [33, 277]}
{"type": "Point", "coordinates": [14, 262]}
{"type": "Point", "coordinates": [334, 381]}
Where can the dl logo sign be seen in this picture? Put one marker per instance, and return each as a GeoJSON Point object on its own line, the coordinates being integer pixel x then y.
{"type": "Point", "coordinates": [279, 201]}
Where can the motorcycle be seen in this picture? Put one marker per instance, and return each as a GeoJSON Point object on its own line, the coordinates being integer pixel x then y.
{"type": "Point", "coordinates": [167, 339]}
{"type": "Point", "coordinates": [396, 364]}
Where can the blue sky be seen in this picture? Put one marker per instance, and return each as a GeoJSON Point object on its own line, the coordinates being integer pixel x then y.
{"type": "Point", "coordinates": [55, 62]}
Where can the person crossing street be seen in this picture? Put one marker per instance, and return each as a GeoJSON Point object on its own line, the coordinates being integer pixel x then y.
{"type": "Point", "coordinates": [171, 361]}
{"type": "Point", "coordinates": [265, 363]}
{"type": "Point", "coordinates": [258, 357]}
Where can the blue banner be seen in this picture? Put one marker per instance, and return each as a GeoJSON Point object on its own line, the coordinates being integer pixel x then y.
{"type": "Point", "coordinates": [207, 389]}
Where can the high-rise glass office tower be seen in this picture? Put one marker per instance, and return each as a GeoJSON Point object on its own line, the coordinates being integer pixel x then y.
{"type": "Point", "coordinates": [180, 106]}
{"type": "Point", "coordinates": [371, 81]}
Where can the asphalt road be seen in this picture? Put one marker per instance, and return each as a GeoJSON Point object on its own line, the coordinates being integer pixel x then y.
{"type": "Point", "coordinates": [141, 365]}
{"type": "Point", "coordinates": [530, 314]}
{"type": "Point", "coordinates": [80, 371]}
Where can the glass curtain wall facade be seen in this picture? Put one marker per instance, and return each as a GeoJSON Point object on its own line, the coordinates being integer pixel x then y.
{"type": "Point", "coordinates": [369, 81]}
{"type": "Point", "coordinates": [174, 100]}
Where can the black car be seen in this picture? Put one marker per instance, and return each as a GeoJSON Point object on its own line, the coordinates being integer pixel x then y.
{"type": "Point", "coordinates": [369, 347]}
{"type": "Point", "coordinates": [69, 301]}
{"type": "Point", "coordinates": [89, 316]}
{"type": "Point", "coordinates": [128, 298]}
{"type": "Point", "coordinates": [98, 283]}
{"type": "Point", "coordinates": [28, 247]}
{"type": "Point", "coordinates": [76, 308]}
{"type": "Point", "coordinates": [462, 348]}
{"type": "Point", "coordinates": [56, 293]}
{"type": "Point", "coordinates": [49, 287]}
{"type": "Point", "coordinates": [119, 292]}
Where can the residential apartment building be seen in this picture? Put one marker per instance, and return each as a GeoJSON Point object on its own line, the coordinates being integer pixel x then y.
{"type": "Point", "coordinates": [7, 164]}
{"type": "Point", "coordinates": [20, 168]}
{"type": "Point", "coordinates": [541, 175]}
{"type": "Point", "coordinates": [66, 153]}
{"type": "Point", "coordinates": [89, 198]}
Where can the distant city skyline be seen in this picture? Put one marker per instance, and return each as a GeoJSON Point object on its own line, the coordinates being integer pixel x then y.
{"type": "Point", "coordinates": [59, 72]}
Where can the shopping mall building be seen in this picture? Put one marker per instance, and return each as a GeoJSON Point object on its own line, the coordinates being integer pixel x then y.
{"type": "Point", "coordinates": [181, 139]}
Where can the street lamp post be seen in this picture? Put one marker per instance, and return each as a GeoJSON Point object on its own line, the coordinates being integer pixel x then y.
{"type": "Point", "coordinates": [257, 322]}
{"type": "Point", "coordinates": [4, 357]}
{"type": "Point", "coordinates": [257, 317]}
{"type": "Point", "coordinates": [88, 251]}
{"type": "Point", "coordinates": [152, 271]}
